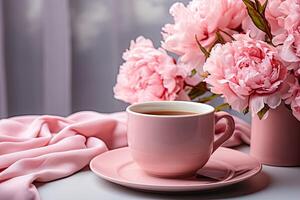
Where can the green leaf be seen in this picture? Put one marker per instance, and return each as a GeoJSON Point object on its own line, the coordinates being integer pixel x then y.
{"type": "Point", "coordinates": [204, 51]}
{"type": "Point", "coordinates": [257, 4]}
{"type": "Point", "coordinates": [257, 19]}
{"type": "Point", "coordinates": [263, 111]}
{"type": "Point", "coordinates": [249, 3]}
{"type": "Point", "coordinates": [209, 98]}
{"type": "Point", "coordinates": [246, 110]}
{"type": "Point", "coordinates": [193, 72]}
{"type": "Point", "coordinates": [198, 90]}
{"type": "Point", "coordinates": [222, 106]}
{"type": "Point", "coordinates": [256, 13]}
{"type": "Point", "coordinates": [263, 8]}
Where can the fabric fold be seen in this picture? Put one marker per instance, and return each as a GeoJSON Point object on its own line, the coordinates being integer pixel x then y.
{"type": "Point", "coordinates": [46, 148]}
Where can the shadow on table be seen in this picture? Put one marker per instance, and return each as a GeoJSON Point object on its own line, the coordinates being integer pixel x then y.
{"type": "Point", "coordinates": [252, 185]}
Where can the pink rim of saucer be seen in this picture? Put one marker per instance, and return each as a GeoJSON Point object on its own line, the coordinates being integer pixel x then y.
{"type": "Point", "coordinates": [118, 167]}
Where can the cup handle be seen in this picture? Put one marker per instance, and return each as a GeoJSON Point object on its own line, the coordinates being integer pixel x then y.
{"type": "Point", "coordinates": [230, 126]}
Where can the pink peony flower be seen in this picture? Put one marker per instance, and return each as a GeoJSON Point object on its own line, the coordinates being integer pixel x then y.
{"type": "Point", "coordinates": [284, 18]}
{"type": "Point", "coordinates": [247, 72]}
{"type": "Point", "coordinates": [148, 74]}
{"type": "Point", "coordinates": [202, 18]}
{"type": "Point", "coordinates": [292, 98]}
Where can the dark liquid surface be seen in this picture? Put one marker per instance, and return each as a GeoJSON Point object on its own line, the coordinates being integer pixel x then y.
{"type": "Point", "coordinates": [169, 112]}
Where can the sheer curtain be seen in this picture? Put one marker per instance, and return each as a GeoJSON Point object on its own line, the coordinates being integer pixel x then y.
{"type": "Point", "coordinates": [60, 56]}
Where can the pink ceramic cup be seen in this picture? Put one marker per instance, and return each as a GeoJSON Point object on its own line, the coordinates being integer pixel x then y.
{"type": "Point", "coordinates": [174, 145]}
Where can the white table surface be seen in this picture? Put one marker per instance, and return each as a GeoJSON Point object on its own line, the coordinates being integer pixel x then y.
{"type": "Point", "coordinates": [271, 184]}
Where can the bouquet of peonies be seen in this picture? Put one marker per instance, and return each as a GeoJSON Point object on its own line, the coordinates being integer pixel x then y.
{"type": "Point", "coordinates": [247, 52]}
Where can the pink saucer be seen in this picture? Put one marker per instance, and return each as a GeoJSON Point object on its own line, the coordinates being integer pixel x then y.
{"type": "Point", "coordinates": [227, 165]}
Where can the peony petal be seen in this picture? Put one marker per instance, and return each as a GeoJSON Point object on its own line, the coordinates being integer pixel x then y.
{"type": "Point", "coordinates": [273, 101]}
{"type": "Point", "coordinates": [256, 104]}
{"type": "Point", "coordinates": [287, 52]}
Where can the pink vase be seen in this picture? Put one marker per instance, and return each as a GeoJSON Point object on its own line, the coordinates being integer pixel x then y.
{"type": "Point", "coordinates": [276, 140]}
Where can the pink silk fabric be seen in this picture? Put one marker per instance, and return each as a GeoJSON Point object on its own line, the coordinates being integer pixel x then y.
{"type": "Point", "coordinates": [46, 148]}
